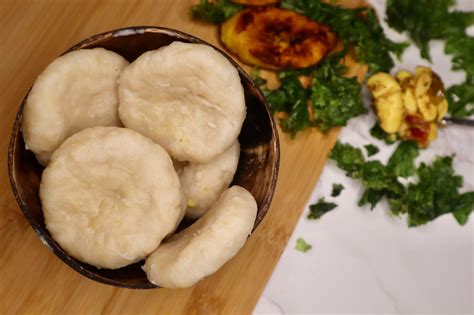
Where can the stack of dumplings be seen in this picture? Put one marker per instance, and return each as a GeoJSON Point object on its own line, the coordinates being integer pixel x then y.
{"type": "Point", "coordinates": [131, 149]}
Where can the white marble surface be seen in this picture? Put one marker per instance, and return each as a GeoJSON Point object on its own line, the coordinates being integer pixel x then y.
{"type": "Point", "coordinates": [368, 262]}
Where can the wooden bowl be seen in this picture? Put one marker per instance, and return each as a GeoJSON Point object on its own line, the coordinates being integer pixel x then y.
{"type": "Point", "coordinates": [257, 170]}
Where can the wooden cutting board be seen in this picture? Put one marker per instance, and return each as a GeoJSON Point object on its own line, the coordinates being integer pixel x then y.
{"type": "Point", "coordinates": [32, 279]}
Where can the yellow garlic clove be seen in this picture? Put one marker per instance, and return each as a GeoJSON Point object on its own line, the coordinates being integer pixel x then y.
{"type": "Point", "coordinates": [427, 109]}
{"type": "Point", "coordinates": [421, 69]}
{"type": "Point", "coordinates": [422, 84]}
{"type": "Point", "coordinates": [382, 84]}
{"type": "Point", "coordinates": [409, 100]}
{"type": "Point", "coordinates": [442, 109]}
{"type": "Point", "coordinates": [433, 132]}
{"type": "Point", "coordinates": [402, 75]}
{"type": "Point", "coordinates": [390, 112]}
{"type": "Point", "coordinates": [388, 101]}
{"type": "Point", "coordinates": [423, 81]}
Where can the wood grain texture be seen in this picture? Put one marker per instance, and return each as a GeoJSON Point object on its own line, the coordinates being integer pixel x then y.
{"type": "Point", "coordinates": [32, 279]}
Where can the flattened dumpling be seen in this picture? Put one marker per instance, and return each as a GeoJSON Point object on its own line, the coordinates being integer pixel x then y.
{"type": "Point", "coordinates": [76, 91]}
{"type": "Point", "coordinates": [109, 196]}
{"type": "Point", "coordinates": [186, 97]}
{"type": "Point", "coordinates": [202, 183]}
{"type": "Point", "coordinates": [205, 246]}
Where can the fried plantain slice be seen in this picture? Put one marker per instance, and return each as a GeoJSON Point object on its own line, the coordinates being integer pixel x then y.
{"type": "Point", "coordinates": [255, 2]}
{"type": "Point", "coordinates": [275, 38]}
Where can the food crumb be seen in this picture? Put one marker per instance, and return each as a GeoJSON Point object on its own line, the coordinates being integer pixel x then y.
{"type": "Point", "coordinates": [302, 245]}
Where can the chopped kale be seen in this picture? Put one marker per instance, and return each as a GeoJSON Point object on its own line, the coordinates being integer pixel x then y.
{"type": "Point", "coordinates": [402, 161]}
{"type": "Point", "coordinates": [291, 99]}
{"type": "Point", "coordinates": [214, 12]}
{"type": "Point", "coordinates": [317, 210]}
{"type": "Point", "coordinates": [336, 189]}
{"type": "Point", "coordinates": [335, 98]}
{"type": "Point", "coordinates": [461, 99]}
{"type": "Point", "coordinates": [436, 191]}
{"type": "Point", "coordinates": [426, 20]}
{"type": "Point", "coordinates": [371, 149]}
{"type": "Point", "coordinates": [378, 133]}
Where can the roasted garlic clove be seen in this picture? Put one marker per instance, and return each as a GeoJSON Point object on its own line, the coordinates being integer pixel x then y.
{"type": "Point", "coordinates": [409, 105]}
{"type": "Point", "coordinates": [433, 133]}
{"type": "Point", "coordinates": [402, 75]}
{"type": "Point", "coordinates": [388, 101]}
{"type": "Point", "coordinates": [422, 84]}
{"type": "Point", "coordinates": [381, 84]}
{"type": "Point", "coordinates": [428, 110]}
{"type": "Point", "coordinates": [442, 109]}
{"type": "Point", "coordinates": [409, 100]}
{"type": "Point", "coordinates": [422, 69]}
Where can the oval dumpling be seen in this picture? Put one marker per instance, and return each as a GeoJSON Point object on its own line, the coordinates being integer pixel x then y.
{"type": "Point", "coordinates": [186, 97]}
{"type": "Point", "coordinates": [110, 196]}
{"type": "Point", "coordinates": [202, 183]}
{"type": "Point", "coordinates": [205, 246]}
{"type": "Point", "coordinates": [76, 91]}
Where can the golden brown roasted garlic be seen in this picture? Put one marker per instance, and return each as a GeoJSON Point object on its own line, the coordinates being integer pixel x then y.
{"type": "Point", "coordinates": [409, 105]}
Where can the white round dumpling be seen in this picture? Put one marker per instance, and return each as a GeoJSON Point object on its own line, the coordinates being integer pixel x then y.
{"type": "Point", "coordinates": [109, 196]}
{"type": "Point", "coordinates": [205, 246]}
{"type": "Point", "coordinates": [202, 183]}
{"type": "Point", "coordinates": [76, 91]}
{"type": "Point", "coordinates": [186, 97]}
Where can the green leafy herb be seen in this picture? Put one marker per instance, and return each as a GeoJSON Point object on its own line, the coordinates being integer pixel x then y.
{"type": "Point", "coordinates": [378, 133]}
{"type": "Point", "coordinates": [257, 79]}
{"type": "Point", "coordinates": [402, 161]}
{"type": "Point", "coordinates": [302, 245]}
{"type": "Point", "coordinates": [336, 189]}
{"type": "Point", "coordinates": [426, 20]}
{"type": "Point", "coordinates": [318, 209]}
{"type": "Point", "coordinates": [371, 149]}
{"type": "Point", "coordinates": [435, 193]}
{"type": "Point", "coordinates": [214, 12]}
{"type": "Point", "coordinates": [358, 27]}
{"type": "Point", "coordinates": [372, 197]}
{"type": "Point", "coordinates": [348, 158]}
{"type": "Point", "coordinates": [375, 177]}
{"type": "Point", "coordinates": [379, 182]}
{"type": "Point", "coordinates": [461, 47]}
{"type": "Point", "coordinates": [335, 98]}
{"type": "Point", "coordinates": [461, 99]}
{"type": "Point", "coordinates": [292, 99]}
{"type": "Point", "coordinates": [464, 207]}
